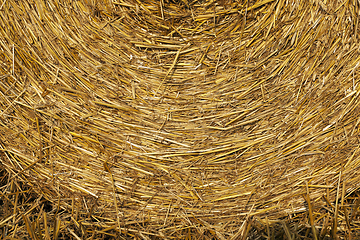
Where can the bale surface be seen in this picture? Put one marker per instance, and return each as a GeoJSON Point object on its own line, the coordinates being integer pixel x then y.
{"type": "Point", "coordinates": [179, 119]}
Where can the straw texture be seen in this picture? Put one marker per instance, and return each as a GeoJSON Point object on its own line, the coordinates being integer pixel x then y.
{"type": "Point", "coordinates": [179, 119]}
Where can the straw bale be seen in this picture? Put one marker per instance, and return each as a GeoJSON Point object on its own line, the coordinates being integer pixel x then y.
{"type": "Point", "coordinates": [179, 119]}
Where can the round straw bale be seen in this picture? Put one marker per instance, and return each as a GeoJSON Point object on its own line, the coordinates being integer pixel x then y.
{"type": "Point", "coordinates": [179, 119]}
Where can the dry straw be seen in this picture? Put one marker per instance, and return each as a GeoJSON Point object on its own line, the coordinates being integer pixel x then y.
{"type": "Point", "coordinates": [179, 119]}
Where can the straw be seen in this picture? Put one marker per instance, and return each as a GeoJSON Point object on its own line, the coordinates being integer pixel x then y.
{"type": "Point", "coordinates": [179, 119]}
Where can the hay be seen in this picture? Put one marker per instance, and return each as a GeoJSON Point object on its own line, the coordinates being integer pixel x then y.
{"type": "Point", "coordinates": [179, 119]}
